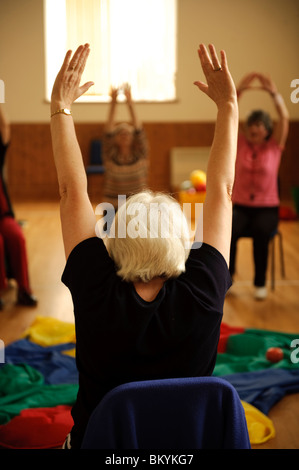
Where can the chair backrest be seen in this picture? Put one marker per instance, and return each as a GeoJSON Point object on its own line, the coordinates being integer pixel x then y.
{"type": "Point", "coordinates": [187, 413]}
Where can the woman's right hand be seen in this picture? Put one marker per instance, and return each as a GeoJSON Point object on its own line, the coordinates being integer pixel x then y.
{"type": "Point", "coordinates": [220, 86]}
{"type": "Point", "coordinates": [113, 93]}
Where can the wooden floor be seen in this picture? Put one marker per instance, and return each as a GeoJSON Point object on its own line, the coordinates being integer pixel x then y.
{"type": "Point", "coordinates": [280, 312]}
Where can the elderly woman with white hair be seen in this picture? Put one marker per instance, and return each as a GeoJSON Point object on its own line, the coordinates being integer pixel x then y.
{"type": "Point", "coordinates": [146, 304]}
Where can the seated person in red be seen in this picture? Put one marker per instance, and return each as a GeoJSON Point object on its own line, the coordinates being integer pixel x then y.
{"type": "Point", "coordinates": [145, 307]}
{"type": "Point", "coordinates": [13, 253]}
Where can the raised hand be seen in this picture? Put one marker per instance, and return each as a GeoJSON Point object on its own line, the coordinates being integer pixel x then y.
{"type": "Point", "coordinates": [66, 88]}
{"type": "Point", "coordinates": [127, 92]}
{"type": "Point", "coordinates": [220, 86]}
{"type": "Point", "coordinates": [113, 93]}
{"type": "Point", "coordinates": [246, 81]}
{"type": "Point", "coordinates": [267, 83]}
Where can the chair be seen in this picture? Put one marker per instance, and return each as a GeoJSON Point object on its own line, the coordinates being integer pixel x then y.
{"type": "Point", "coordinates": [96, 163]}
{"type": "Point", "coordinates": [275, 233]}
{"type": "Point", "coordinates": [282, 265]}
{"type": "Point", "coordinates": [186, 413]}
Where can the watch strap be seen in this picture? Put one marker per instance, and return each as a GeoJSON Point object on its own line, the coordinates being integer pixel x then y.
{"type": "Point", "coordinates": [62, 111]}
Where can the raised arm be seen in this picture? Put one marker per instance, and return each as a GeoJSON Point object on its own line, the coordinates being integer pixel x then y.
{"type": "Point", "coordinates": [112, 109]}
{"type": "Point", "coordinates": [281, 128]}
{"type": "Point", "coordinates": [245, 83]}
{"type": "Point", "coordinates": [77, 215]}
{"type": "Point", "coordinates": [217, 212]}
{"type": "Point", "coordinates": [4, 127]}
{"type": "Point", "coordinates": [132, 111]}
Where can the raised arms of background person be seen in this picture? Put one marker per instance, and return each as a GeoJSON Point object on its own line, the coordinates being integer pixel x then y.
{"type": "Point", "coordinates": [78, 219]}
{"type": "Point", "coordinates": [4, 127]}
{"type": "Point", "coordinates": [112, 110]}
{"type": "Point", "coordinates": [217, 211]}
{"type": "Point", "coordinates": [281, 128]}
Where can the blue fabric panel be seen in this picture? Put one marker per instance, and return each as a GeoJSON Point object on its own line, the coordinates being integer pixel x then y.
{"type": "Point", "coordinates": [57, 368]}
{"type": "Point", "coordinates": [264, 388]}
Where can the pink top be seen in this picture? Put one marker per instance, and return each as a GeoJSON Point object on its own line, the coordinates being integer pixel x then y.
{"type": "Point", "coordinates": [256, 174]}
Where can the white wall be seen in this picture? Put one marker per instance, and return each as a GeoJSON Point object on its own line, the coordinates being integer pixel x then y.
{"type": "Point", "coordinates": [261, 35]}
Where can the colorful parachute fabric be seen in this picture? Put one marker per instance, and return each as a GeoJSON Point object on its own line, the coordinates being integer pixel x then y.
{"type": "Point", "coordinates": [38, 386]}
{"type": "Point", "coordinates": [260, 427]}
{"type": "Point", "coordinates": [259, 382]}
{"type": "Point", "coordinates": [48, 331]}
{"type": "Point", "coordinates": [39, 381]}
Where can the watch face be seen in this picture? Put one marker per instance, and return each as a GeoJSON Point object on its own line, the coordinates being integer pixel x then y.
{"type": "Point", "coordinates": [66, 111]}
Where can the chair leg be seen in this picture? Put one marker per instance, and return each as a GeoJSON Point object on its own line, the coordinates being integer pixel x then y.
{"type": "Point", "coordinates": [282, 265]}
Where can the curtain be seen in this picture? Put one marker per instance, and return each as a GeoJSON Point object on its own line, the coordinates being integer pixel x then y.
{"type": "Point", "coordinates": [132, 41]}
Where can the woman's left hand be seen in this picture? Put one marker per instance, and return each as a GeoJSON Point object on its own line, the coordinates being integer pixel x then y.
{"type": "Point", "coordinates": [220, 86]}
{"type": "Point", "coordinates": [267, 83]}
{"type": "Point", "coordinates": [66, 88]}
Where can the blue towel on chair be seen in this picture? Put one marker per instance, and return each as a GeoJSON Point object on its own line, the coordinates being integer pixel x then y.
{"type": "Point", "coordinates": [190, 413]}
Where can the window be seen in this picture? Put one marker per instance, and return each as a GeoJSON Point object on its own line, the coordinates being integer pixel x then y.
{"type": "Point", "coordinates": [132, 41]}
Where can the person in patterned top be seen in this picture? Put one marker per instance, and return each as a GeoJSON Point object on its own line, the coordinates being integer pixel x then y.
{"type": "Point", "coordinates": [125, 153]}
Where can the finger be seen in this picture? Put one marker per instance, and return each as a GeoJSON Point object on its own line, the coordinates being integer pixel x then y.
{"type": "Point", "coordinates": [204, 58]}
{"type": "Point", "coordinates": [202, 86]}
{"type": "Point", "coordinates": [74, 62]}
{"type": "Point", "coordinates": [84, 88]}
{"type": "Point", "coordinates": [66, 61]}
{"type": "Point", "coordinates": [223, 60]}
{"type": "Point", "coordinates": [83, 59]}
{"type": "Point", "coordinates": [214, 57]}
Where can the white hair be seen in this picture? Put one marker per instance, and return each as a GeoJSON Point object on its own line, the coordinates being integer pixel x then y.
{"type": "Point", "coordinates": [156, 241]}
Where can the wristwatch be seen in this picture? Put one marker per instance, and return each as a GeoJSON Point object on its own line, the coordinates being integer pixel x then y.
{"type": "Point", "coordinates": [62, 111]}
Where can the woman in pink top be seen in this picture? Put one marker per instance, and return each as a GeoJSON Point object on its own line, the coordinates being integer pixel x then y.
{"type": "Point", "coordinates": [255, 193]}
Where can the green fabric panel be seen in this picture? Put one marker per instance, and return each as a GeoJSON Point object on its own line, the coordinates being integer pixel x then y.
{"type": "Point", "coordinates": [246, 352]}
{"type": "Point", "coordinates": [23, 387]}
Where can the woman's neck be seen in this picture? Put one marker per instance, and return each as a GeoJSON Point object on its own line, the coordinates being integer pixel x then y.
{"type": "Point", "coordinates": [148, 291]}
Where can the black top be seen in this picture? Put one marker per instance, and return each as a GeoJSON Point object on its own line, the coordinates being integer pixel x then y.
{"type": "Point", "coordinates": [5, 204]}
{"type": "Point", "coordinates": [122, 338]}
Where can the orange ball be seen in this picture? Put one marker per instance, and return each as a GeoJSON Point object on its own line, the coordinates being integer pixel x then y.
{"type": "Point", "coordinates": [274, 354]}
{"type": "Point", "coordinates": [198, 179]}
